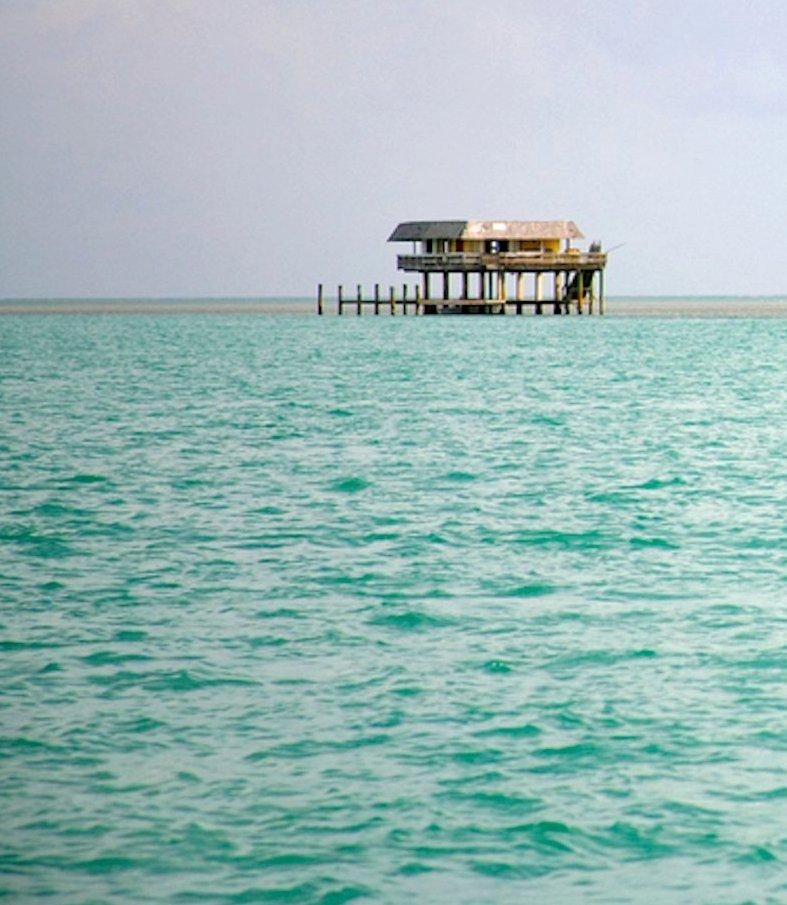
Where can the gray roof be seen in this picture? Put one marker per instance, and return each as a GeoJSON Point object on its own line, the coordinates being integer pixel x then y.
{"type": "Point", "coordinates": [418, 230]}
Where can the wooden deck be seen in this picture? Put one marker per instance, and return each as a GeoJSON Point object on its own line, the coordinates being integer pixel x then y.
{"type": "Point", "coordinates": [508, 306]}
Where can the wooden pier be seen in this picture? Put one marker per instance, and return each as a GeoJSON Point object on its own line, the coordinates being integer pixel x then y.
{"type": "Point", "coordinates": [391, 303]}
{"type": "Point", "coordinates": [504, 267]}
{"type": "Point", "coordinates": [567, 292]}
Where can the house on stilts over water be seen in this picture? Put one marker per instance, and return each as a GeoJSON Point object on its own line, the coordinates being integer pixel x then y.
{"type": "Point", "coordinates": [491, 267]}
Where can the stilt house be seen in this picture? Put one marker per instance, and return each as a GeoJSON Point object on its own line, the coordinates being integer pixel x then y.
{"type": "Point", "coordinates": [492, 251]}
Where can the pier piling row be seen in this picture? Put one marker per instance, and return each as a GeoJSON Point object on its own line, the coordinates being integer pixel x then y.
{"type": "Point", "coordinates": [579, 291]}
{"type": "Point", "coordinates": [406, 302]}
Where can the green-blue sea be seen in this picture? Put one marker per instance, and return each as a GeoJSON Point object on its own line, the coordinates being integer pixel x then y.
{"type": "Point", "coordinates": [446, 610]}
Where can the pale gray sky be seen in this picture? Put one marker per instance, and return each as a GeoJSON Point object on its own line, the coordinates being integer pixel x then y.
{"type": "Point", "coordinates": [256, 147]}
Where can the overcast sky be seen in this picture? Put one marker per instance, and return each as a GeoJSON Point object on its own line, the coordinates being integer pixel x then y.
{"type": "Point", "coordinates": [257, 147]}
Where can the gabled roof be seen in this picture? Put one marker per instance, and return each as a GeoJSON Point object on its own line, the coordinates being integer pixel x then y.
{"type": "Point", "coordinates": [419, 230]}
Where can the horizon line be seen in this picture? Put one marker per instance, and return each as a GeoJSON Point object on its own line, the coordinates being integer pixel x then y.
{"type": "Point", "coordinates": [299, 298]}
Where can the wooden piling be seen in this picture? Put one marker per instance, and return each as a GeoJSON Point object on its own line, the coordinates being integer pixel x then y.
{"type": "Point", "coordinates": [339, 301]}
{"type": "Point", "coordinates": [319, 298]}
{"type": "Point", "coordinates": [404, 298]}
{"type": "Point", "coordinates": [537, 294]}
{"type": "Point", "coordinates": [359, 298]}
{"type": "Point", "coordinates": [602, 301]}
{"type": "Point", "coordinates": [376, 298]}
{"type": "Point", "coordinates": [392, 298]}
{"type": "Point", "coordinates": [418, 307]}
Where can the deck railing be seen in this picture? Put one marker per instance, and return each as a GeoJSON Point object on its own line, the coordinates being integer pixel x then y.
{"type": "Point", "coordinates": [510, 260]}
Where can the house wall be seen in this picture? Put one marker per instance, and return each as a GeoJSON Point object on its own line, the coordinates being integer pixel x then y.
{"type": "Point", "coordinates": [476, 246]}
{"type": "Point", "coordinates": [473, 246]}
{"type": "Point", "coordinates": [537, 245]}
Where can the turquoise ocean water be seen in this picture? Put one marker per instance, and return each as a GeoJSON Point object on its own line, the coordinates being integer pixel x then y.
{"type": "Point", "coordinates": [433, 609]}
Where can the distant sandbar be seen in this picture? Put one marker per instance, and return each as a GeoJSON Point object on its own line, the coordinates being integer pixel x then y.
{"type": "Point", "coordinates": [663, 306]}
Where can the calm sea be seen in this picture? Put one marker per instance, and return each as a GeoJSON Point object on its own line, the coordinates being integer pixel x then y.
{"type": "Point", "coordinates": [442, 610]}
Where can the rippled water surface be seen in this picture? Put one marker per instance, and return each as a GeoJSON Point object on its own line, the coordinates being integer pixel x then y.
{"type": "Point", "coordinates": [443, 610]}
